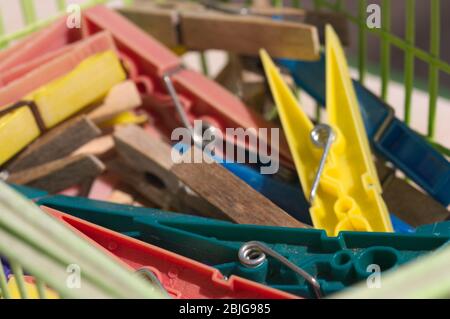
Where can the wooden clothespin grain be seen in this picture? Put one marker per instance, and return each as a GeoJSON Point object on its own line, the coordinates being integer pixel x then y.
{"type": "Point", "coordinates": [60, 174]}
{"type": "Point", "coordinates": [56, 143]}
{"type": "Point", "coordinates": [186, 26]}
{"type": "Point", "coordinates": [234, 199]}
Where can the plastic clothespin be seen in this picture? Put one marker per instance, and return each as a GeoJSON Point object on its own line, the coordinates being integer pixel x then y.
{"type": "Point", "coordinates": [56, 101]}
{"type": "Point", "coordinates": [425, 278]}
{"type": "Point", "coordinates": [30, 288]}
{"type": "Point", "coordinates": [390, 137]}
{"type": "Point", "coordinates": [51, 38]}
{"type": "Point", "coordinates": [50, 66]}
{"type": "Point", "coordinates": [28, 242]}
{"type": "Point", "coordinates": [69, 136]}
{"type": "Point", "coordinates": [348, 193]}
{"type": "Point", "coordinates": [336, 262]}
{"type": "Point", "coordinates": [181, 25]}
{"type": "Point", "coordinates": [181, 277]}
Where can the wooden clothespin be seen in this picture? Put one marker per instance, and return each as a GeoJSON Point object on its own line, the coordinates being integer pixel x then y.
{"type": "Point", "coordinates": [121, 98]}
{"type": "Point", "coordinates": [242, 34]}
{"type": "Point", "coordinates": [234, 199]}
{"type": "Point", "coordinates": [56, 143]}
{"type": "Point", "coordinates": [71, 137]}
{"type": "Point", "coordinates": [317, 18]}
{"type": "Point", "coordinates": [60, 174]}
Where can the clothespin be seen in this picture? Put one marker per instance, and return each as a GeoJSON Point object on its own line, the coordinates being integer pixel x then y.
{"type": "Point", "coordinates": [231, 198]}
{"type": "Point", "coordinates": [181, 277]}
{"type": "Point", "coordinates": [56, 101]}
{"type": "Point", "coordinates": [47, 163]}
{"type": "Point", "coordinates": [154, 185]}
{"type": "Point", "coordinates": [335, 262]}
{"type": "Point", "coordinates": [121, 98]}
{"type": "Point", "coordinates": [32, 240]}
{"type": "Point", "coordinates": [49, 39]}
{"type": "Point", "coordinates": [334, 162]}
{"type": "Point", "coordinates": [60, 174]}
{"type": "Point", "coordinates": [56, 143]}
{"type": "Point", "coordinates": [31, 289]}
{"type": "Point", "coordinates": [316, 18]}
{"type": "Point", "coordinates": [406, 201]}
{"type": "Point", "coordinates": [408, 282]}
{"type": "Point", "coordinates": [181, 25]}
{"type": "Point", "coordinates": [26, 76]}
{"type": "Point", "coordinates": [389, 136]}
{"type": "Point", "coordinates": [202, 98]}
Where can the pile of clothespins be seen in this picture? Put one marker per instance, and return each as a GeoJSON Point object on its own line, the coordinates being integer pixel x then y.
{"type": "Point", "coordinates": [87, 118]}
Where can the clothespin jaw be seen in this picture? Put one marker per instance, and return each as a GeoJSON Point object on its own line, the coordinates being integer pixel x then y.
{"type": "Point", "coordinates": [296, 124]}
{"type": "Point", "coordinates": [15, 127]}
{"type": "Point", "coordinates": [359, 205]}
{"type": "Point", "coordinates": [349, 193]}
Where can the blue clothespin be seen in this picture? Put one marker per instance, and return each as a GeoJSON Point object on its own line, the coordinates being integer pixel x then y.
{"type": "Point", "coordinates": [390, 137]}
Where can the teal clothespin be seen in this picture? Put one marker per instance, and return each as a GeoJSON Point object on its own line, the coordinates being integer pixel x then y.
{"type": "Point", "coordinates": [334, 262]}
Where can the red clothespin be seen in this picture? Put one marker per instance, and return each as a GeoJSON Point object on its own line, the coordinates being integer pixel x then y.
{"type": "Point", "coordinates": [201, 97]}
{"type": "Point", "coordinates": [181, 277]}
{"type": "Point", "coordinates": [25, 77]}
{"type": "Point", "coordinates": [50, 39]}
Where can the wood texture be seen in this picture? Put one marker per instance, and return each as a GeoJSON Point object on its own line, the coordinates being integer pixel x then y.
{"type": "Point", "coordinates": [57, 143]}
{"type": "Point", "coordinates": [316, 18]}
{"type": "Point", "coordinates": [241, 203]}
{"type": "Point", "coordinates": [155, 192]}
{"type": "Point", "coordinates": [233, 198]}
{"type": "Point", "coordinates": [146, 166]}
{"type": "Point", "coordinates": [408, 203]}
{"type": "Point", "coordinates": [157, 22]}
{"type": "Point", "coordinates": [248, 34]}
{"type": "Point", "coordinates": [100, 147]}
{"type": "Point", "coordinates": [200, 29]}
{"type": "Point", "coordinates": [60, 174]}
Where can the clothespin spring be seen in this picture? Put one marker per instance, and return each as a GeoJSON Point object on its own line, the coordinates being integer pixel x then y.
{"type": "Point", "coordinates": [322, 136]}
{"type": "Point", "coordinates": [253, 253]}
{"type": "Point", "coordinates": [197, 137]}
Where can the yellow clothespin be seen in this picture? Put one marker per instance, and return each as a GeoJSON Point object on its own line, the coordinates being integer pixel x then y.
{"type": "Point", "coordinates": [18, 126]}
{"type": "Point", "coordinates": [335, 158]}
{"type": "Point", "coordinates": [51, 104]}
{"type": "Point", "coordinates": [125, 118]}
